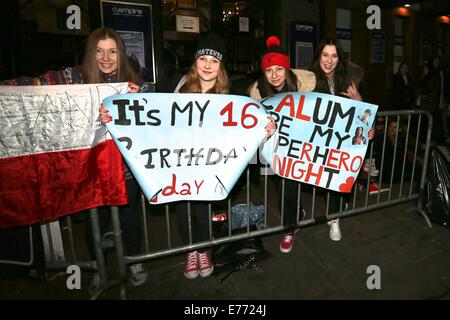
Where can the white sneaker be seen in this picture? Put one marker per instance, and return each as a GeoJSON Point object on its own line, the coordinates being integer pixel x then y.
{"type": "Point", "coordinates": [374, 171]}
{"type": "Point", "coordinates": [335, 231]}
{"type": "Point", "coordinates": [137, 273]}
{"type": "Point", "coordinates": [369, 166]}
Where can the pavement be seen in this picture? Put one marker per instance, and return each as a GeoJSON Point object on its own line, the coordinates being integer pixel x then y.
{"type": "Point", "coordinates": [411, 259]}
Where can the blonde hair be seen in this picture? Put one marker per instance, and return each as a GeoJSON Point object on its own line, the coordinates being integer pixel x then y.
{"type": "Point", "coordinates": [193, 85]}
{"type": "Point", "coordinates": [89, 68]}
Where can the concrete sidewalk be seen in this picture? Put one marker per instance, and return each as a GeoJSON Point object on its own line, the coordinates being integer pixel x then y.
{"type": "Point", "coordinates": [414, 262]}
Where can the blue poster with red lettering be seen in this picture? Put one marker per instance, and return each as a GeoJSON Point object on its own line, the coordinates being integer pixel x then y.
{"type": "Point", "coordinates": [321, 139]}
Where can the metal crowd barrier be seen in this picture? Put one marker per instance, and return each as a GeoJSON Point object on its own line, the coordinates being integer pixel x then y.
{"type": "Point", "coordinates": [74, 241]}
{"type": "Point", "coordinates": [160, 238]}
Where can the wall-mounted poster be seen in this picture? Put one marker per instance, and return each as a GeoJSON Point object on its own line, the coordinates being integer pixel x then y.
{"type": "Point", "coordinates": [303, 41]}
{"type": "Point", "coordinates": [244, 24]}
{"type": "Point", "coordinates": [133, 21]}
{"type": "Point", "coordinates": [188, 24]}
{"type": "Point", "coordinates": [377, 48]}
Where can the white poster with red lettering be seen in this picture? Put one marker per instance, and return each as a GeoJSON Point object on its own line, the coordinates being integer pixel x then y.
{"type": "Point", "coordinates": [321, 139]}
{"type": "Point", "coordinates": [186, 146]}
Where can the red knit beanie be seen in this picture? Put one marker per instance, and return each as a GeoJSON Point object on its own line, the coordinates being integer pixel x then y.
{"type": "Point", "coordinates": [274, 55]}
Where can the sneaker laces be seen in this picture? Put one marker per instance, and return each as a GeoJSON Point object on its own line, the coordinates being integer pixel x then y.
{"type": "Point", "coordinates": [191, 261]}
{"type": "Point", "coordinates": [205, 262]}
{"type": "Point", "coordinates": [288, 237]}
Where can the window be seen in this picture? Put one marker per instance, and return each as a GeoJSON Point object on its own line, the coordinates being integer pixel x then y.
{"type": "Point", "coordinates": [398, 42]}
{"type": "Point", "coordinates": [344, 30]}
{"type": "Point", "coordinates": [303, 54]}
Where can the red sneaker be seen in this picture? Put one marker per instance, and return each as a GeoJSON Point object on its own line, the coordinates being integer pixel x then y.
{"type": "Point", "coordinates": [373, 188]}
{"type": "Point", "coordinates": [205, 265]}
{"type": "Point", "coordinates": [191, 270]}
{"type": "Point", "coordinates": [287, 243]}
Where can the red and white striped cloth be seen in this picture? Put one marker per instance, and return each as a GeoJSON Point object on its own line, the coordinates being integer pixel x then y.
{"type": "Point", "coordinates": [55, 156]}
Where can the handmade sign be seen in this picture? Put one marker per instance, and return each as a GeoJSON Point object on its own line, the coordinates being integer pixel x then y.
{"type": "Point", "coordinates": [55, 156]}
{"type": "Point", "coordinates": [186, 146]}
{"type": "Point", "coordinates": [321, 139]}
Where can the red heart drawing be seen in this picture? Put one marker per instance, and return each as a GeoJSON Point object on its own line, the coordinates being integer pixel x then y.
{"type": "Point", "coordinates": [347, 186]}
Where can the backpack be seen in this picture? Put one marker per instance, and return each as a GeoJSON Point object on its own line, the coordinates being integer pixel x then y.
{"type": "Point", "coordinates": [240, 255]}
{"type": "Point", "coordinates": [437, 189]}
{"type": "Point", "coordinates": [243, 254]}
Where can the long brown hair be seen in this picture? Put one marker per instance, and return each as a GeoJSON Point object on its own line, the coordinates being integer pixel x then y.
{"type": "Point", "coordinates": [340, 73]}
{"type": "Point", "coordinates": [89, 68]}
{"type": "Point", "coordinates": [193, 85]}
{"type": "Point", "coordinates": [290, 85]}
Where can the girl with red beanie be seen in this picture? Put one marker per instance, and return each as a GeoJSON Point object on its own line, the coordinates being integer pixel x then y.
{"type": "Point", "coordinates": [278, 77]}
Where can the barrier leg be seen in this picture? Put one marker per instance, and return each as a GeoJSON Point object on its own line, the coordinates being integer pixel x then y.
{"type": "Point", "coordinates": [119, 252]}
{"type": "Point", "coordinates": [95, 228]}
{"type": "Point", "coordinates": [420, 210]}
